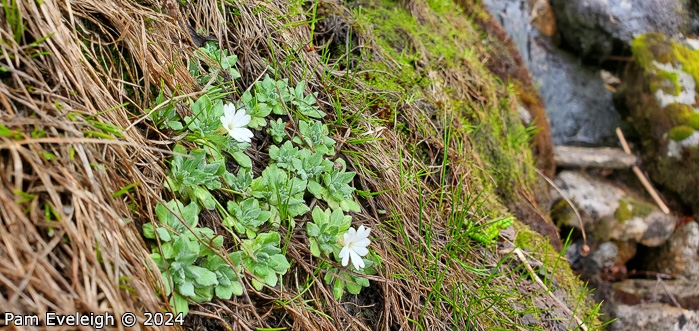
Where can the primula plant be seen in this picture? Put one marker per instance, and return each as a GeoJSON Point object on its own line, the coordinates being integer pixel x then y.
{"type": "Point", "coordinates": [335, 189]}
{"type": "Point", "coordinates": [252, 205]}
{"type": "Point", "coordinates": [326, 229]}
{"type": "Point", "coordinates": [192, 177]}
{"type": "Point", "coordinates": [187, 264]}
{"type": "Point", "coordinates": [264, 259]}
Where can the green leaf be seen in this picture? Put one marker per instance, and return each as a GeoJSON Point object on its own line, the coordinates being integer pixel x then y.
{"type": "Point", "coordinates": [205, 198]}
{"type": "Point", "coordinates": [203, 294]}
{"type": "Point", "coordinates": [166, 283]}
{"type": "Point", "coordinates": [186, 289]}
{"type": "Point", "coordinates": [312, 229]}
{"type": "Point", "coordinates": [163, 233]}
{"type": "Point", "coordinates": [179, 304]}
{"type": "Point", "coordinates": [271, 279]}
{"type": "Point", "coordinates": [315, 250]}
{"type": "Point", "coordinates": [338, 289]}
{"type": "Point", "coordinates": [315, 189]}
{"type": "Point", "coordinates": [158, 259]}
{"type": "Point", "coordinates": [224, 292]}
{"type": "Point", "coordinates": [257, 284]}
{"type": "Point", "coordinates": [350, 205]}
{"type": "Point", "coordinates": [242, 159]}
{"type": "Point", "coordinates": [279, 263]}
{"type": "Point", "coordinates": [148, 230]}
{"type": "Point", "coordinates": [353, 288]}
{"type": "Point", "coordinates": [201, 276]}
{"type": "Point", "coordinates": [297, 209]}
{"type": "Point", "coordinates": [175, 125]}
{"type": "Point", "coordinates": [237, 288]}
{"type": "Point", "coordinates": [168, 250]}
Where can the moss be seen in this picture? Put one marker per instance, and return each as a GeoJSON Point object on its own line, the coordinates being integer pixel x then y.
{"type": "Point", "coordinates": [632, 208]}
{"type": "Point", "coordinates": [452, 57]}
{"type": "Point", "coordinates": [561, 213]}
{"type": "Point", "coordinates": [668, 82]}
{"type": "Point", "coordinates": [527, 239]}
{"type": "Point", "coordinates": [680, 113]}
{"type": "Point", "coordinates": [680, 132]}
{"type": "Point", "coordinates": [501, 139]}
{"type": "Point", "coordinates": [640, 208]}
{"type": "Point", "coordinates": [657, 47]}
{"type": "Point", "coordinates": [693, 121]}
{"type": "Point", "coordinates": [689, 60]}
{"type": "Point", "coordinates": [622, 213]}
{"type": "Point", "coordinates": [652, 47]}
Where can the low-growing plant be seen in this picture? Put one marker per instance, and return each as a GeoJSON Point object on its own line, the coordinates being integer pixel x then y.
{"type": "Point", "coordinates": [264, 260]}
{"type": "Point", "coordinates": [282, 192]}
{"type": "Point", "coordinates": [335, 189]}
{"type": "Point", "coordinates": [246, 216]}
{"type": "Point", "coordinates": [240, 183]}
{"type": "Point", "coordinates": [341, 279]}
{"type": "Point", "coordinates": [187, 264]}
{"type": "Point", "coordinates": [315, 136]}
{"type": "Point", "coordinates": [305, 103]}
{"type": "Point", "coordinates": [191, 258]}
{"type": "Point", "coordinates": [225, 61]}
{"type": "Point", "coordinates": [326, 230]}
{"type": "Point", "coordinates": [165, 116]}
{"type": "Point", "coordinates": [192, 177]}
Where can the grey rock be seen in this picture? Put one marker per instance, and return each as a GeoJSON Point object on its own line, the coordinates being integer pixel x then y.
{"type": "Point", "coordinates": [579, 107]}
{"type": "Point", "coordinates": [654, 317]}
{"type": "Point", "coordinates": [610, 213]}
{"type": "Point", "coordinates": [679, 256]}
{"type": "Point", "coordinates": [602, 27]}
{"type": "Point", "coordinates": [605, 255]}
{"type": "Point", "coordinates": [586, 157]}
{"type": "Point", "coordinates": [608, 257]}
{"type": "Point", "coordinates": [684, 292]}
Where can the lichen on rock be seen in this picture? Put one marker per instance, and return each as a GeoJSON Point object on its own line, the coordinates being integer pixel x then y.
{"type": "Point", "coordinates": [660, 92]}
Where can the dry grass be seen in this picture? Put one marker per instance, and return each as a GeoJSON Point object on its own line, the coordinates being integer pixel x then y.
{"type": "Point", "coordinates": [68, 245]}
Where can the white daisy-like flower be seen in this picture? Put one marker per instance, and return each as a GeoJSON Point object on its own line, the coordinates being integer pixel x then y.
{"type": "Point", "coordinates": [355, 244]}
{"type": "Point", "coordinates": [235, 121]}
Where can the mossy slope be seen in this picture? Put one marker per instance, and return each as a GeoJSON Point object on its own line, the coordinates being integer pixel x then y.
{"type": "Point", "coordinates": [452, 112]}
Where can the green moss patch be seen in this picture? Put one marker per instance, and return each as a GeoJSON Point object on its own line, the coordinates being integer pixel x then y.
{"type": "Point", "coordinates": [657, 47]}
{"type": "Point", "coordinates": [680, 132]}
{"type": "Point", "coordinates": [680, 113]}
{"type": "Point", "coordinates": [622, 213]}
{"type": "Point", "coordinates": [632, 208]}
{"type": "Point", "coordinates": [693, 121]}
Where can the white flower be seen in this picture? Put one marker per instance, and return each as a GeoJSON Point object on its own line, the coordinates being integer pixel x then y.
{"type": "Point", "coordinates": [355, 243]}
{"type": "Point", "coordinates": [235, 122]}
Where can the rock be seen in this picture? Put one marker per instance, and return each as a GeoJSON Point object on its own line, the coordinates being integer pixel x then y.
{"type": "Point", "coordinates": [679, 257]}
{"type": "Point", "coordinates": [608, 212]}
{"type": "Point", "coordinates": [598, 28]}
{"type": "Point", "coordinates": [653, 317]}
{"type": "Point", "coordinates": [580, 109]}
{"type": "Point", "coordinates": [660, 92]}
{"type": "Point", "coordinates": [636, 291]}
{"type": "Point", "coordinates": [608, 259]}
{"type": "Point", "coordinates": [585, 157]}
